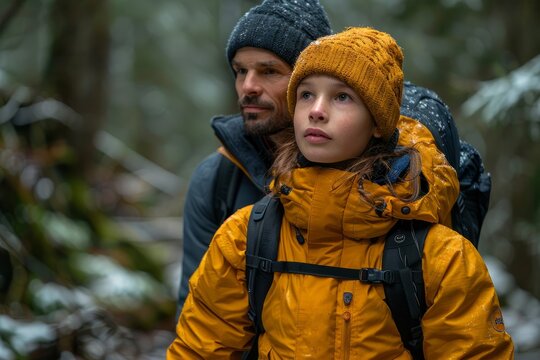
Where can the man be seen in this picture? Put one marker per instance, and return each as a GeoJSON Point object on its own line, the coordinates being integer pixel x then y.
{"type": "Point", "coordinates": [261, 51]}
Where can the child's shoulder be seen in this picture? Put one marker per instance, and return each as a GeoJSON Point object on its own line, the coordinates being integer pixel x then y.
{"type": "Point", "coordinates": [448, 253]}
{"type": "Point", "coordinates": [239, 217]}
{"type": "Point", "coordinates": [230, 238]}
{"type": "Point", "coordinates": [442, 237]}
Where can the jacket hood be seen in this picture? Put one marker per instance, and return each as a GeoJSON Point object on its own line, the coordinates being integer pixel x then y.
{"type": "Point", "coordinates": [326, 202]}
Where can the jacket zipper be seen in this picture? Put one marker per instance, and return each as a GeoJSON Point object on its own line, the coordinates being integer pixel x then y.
{"type": "Point", "coordinates": [346, 335]}
{"type": "Point", "coordinates": [347, 299]}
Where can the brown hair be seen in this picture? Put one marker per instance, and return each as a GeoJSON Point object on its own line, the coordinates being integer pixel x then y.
{"type": "Point", "coordinates": [377, 154]}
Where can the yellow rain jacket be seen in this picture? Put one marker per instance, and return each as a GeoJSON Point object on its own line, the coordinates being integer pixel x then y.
{"type": "Point", "coordinates": [306, 317]}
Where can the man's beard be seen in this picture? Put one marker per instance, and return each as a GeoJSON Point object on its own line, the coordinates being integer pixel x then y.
{"type": "Point", "coordinates": [256, 125]}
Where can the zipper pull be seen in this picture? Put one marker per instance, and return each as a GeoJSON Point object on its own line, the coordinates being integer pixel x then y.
{"type": "Point", "coordinates": [347, 298]}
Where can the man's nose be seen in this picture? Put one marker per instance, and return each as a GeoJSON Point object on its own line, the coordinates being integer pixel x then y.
{"type": "Point", "coordinates": [251, 84]}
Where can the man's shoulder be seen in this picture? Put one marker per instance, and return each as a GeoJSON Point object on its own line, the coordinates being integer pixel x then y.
{"type": "Point", "coordinates": [214, 167]}
{"type": "Point", "coordinates": [204, 175]}
{"type": "Point", "coordinates": [208, 164]}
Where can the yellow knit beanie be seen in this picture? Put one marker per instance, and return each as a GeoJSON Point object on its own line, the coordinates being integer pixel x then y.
{"type": "Point", "coordinates": [367, 60]}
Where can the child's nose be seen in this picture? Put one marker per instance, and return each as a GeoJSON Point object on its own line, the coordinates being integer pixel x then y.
{"type": "Point", "coordinates": [317, 111]}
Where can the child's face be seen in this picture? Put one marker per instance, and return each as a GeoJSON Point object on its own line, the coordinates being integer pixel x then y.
{"type": "Point", "coordinates": [331, 122]}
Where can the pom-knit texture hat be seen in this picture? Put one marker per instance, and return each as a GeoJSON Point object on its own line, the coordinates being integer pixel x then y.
{"type": "Point", "coordinates": [284, 27]}
{"type": "Point", "coordinates": [367, 60]}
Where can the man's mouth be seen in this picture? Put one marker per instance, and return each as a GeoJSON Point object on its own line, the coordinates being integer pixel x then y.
{"type": "Point", "coordinates": [253, 109]}
{"type": "Point", "coordinates": [253, 105]}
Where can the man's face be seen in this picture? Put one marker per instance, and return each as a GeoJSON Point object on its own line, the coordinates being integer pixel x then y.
{"type": "Point", "coordinates": [261, 85]}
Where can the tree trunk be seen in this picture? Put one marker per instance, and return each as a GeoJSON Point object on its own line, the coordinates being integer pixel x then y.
{"type": "Point", "coordinates": [77, 69]}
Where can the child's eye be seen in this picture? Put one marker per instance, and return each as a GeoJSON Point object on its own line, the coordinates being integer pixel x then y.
{"type": "Point", "coordinates": [305, 95]}
{"type": "Point", "coordinates": [343, 97]}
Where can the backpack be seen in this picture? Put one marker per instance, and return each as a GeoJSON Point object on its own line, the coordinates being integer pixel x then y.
{"type": "Point", "coordinates": [402, 280]}
{"type": "Point", "coordinates": [472, 203]}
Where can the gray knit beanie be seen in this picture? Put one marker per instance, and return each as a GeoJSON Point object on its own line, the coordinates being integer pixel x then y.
{"type": "Point", "coordinates": [284, 27]}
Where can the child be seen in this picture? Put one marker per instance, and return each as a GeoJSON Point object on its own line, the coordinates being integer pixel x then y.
{"type": "Point", "coordinates": [344, 180]}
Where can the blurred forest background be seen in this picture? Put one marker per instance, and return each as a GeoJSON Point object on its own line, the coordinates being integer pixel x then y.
{"type": "Point", "coordinates": [104, 113]}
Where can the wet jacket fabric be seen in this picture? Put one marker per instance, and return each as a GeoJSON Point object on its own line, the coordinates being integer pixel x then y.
{"type": "Point", "coordinates": [200, 219]}
{"type": "Point", "coordinates": [306, 317]}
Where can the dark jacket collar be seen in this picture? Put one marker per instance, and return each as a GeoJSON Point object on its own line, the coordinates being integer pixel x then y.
{"type": "Point", "coordinates": [253, 153]}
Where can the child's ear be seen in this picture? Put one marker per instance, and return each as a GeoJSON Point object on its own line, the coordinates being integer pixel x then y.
{"type": "Point", "coordinates": [377, 133]}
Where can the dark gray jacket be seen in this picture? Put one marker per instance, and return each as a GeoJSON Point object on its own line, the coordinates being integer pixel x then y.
{"type": "Point", "coordinates": [203, 212]}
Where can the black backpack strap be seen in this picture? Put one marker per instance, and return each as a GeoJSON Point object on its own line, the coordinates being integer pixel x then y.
{"type": "Point", "coordinates": [406, 298]}
{"type": "Point", "coordinates": [225, 191]}
{"type": "Point", "coordinates": [262, 241]}
{"type": "Point", "coordinates": [367, 275]}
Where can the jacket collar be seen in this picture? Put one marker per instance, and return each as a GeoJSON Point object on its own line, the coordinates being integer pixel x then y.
{"type": "Point", "coordinates": [251, 153]}
{"type": "Point", "coordinates": [326, 201]}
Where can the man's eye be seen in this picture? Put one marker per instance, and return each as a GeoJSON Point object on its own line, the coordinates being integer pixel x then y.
{"type": "Point", "coordinates": [270, 71]}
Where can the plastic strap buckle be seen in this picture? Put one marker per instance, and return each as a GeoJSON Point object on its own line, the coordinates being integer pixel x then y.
{"type": "Point", "coordinates": [376, 276]}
